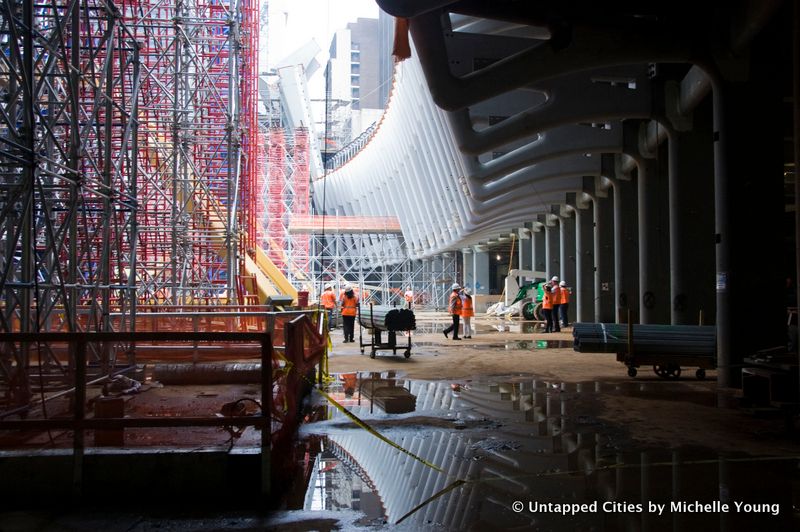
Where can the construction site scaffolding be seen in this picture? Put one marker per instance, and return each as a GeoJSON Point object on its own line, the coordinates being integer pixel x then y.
{"type": "Point", "coordinates": [369, 252]}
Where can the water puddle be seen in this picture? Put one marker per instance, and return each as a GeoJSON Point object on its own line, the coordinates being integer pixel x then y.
{"type": "Point", "coordinates": [518, 344]}
{"type": "Point", "coordinates": [524, 453]}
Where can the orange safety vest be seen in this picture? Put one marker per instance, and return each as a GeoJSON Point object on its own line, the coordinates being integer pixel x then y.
{"type": "Point", "coordinates": [349, 305]}
{"type": "Point", "coordinates": [564, 295]}
{"type": "Point", "coordinates": [547, 299]}
{"type": "Point", "coordinates": [455, 304]}
{"type": "Point", "coordinates": [556, 295]}
{"type": "Point", "coordinates": [328, 299]}
{"type": "Point", "coordinates": [467, 310]}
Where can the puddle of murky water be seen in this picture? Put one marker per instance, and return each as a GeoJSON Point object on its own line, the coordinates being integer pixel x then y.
{"type": "Point", "coordinates": [529, 454]}
{"type": "Point", "coordinates": [519, 344]}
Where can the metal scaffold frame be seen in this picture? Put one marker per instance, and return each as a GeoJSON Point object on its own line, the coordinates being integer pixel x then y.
{"type": "Point", "coordinates": [123, 136]}
{"type": "Point", "coordinates": [70, 78]}
{"type": "Point", "coordinates": [195, 70]}
{"type": "Point", "coordinates": [378, 264]}
{"type": "Point", "coordinates": [125, 129]}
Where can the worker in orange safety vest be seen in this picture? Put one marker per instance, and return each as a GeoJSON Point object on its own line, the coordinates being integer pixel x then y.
{"type": "Point", "coordinates": [454, 308]}
{"type": "Point", "coordinates": [547, 307]}
{"type": "Point", "coordinates": [467, 312]}
{"type": "Point", "coordinates": [555, 298]}
{"type": "Point", "coordinates": [349, 310]}
{"type": "Point", "coordinates": [328, 301]}
{"type": "Point", "coordinates": [409, 297]}
{"type": "Point", "coordinates": [563, 306]}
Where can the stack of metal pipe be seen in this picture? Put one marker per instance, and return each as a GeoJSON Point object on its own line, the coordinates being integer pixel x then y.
{"type": "Point", "coordinates": [385, 318]}
{"type": "Point", "coordinates": [661, 339]}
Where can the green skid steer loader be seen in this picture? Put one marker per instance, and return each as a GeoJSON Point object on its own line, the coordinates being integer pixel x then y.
{"type": "Point", "coordinates": [530, 290]}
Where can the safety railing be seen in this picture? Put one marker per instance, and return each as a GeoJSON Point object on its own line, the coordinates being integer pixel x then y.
{"type": "Point", "coordinates": [19, 345]}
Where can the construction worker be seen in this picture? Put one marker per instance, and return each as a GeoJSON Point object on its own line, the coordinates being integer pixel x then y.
{"type": "Point", "coordinates": [328, 301]}
{"type": "Point", "coordinates": [467, 312]}
{"type": "Point", "coordinates": [454, 307]}
{"type": "Point", "coordinates": [556, 301]}
{"type": "Point", "coordinates": [563, 306]}
{"type": "Point", "coordinates": [349, 309]}
{"type": "Point", "coordinates": [409, 297]}
{"type": "Point", "coordinates": [547, 307]}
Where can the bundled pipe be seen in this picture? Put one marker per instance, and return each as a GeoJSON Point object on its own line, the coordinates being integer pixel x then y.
{"type": "Point", "coordinates": [246, 373]}
{"type": "Point", "coordinates": [690, 340]}
{"type": "Point", "coordinates": [386, 318]}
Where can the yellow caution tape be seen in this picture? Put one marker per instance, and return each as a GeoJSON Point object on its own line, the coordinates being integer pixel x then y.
{"type": "Point", "coordinates": [433, 497]}
{"type": "Point", "coordinates": [355, 419]}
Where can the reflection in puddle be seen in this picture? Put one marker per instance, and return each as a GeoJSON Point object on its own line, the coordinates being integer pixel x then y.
{"type": "Point", "coordinates": [339, 483]}
{"type": "Point", "coordinates": [538, 442]}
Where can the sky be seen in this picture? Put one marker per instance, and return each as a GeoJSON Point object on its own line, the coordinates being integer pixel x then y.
{"type": "Point", "coordinates": [292, 23]}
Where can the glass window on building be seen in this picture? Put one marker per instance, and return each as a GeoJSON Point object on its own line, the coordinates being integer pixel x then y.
{"type": "Point", "coordinates": [355, 92]}
{"type": "Point", "coordinates": [355, 80]}
{"type": "Point", "coordinates": [356, 104]}
{"type": "Point", "coordinates": [355, 68]}
{"type": "Point", "coordinates": [355, 56]}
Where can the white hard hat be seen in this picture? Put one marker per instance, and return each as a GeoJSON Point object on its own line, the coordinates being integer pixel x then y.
{"type": "Point", "coordinates": [455, 286]}
{"type": "Point", "coordinates": [554, 279]}
{"type": "Point", "coordinates": [329, 285]}
{"type": "Point", "coordinates": [562, 283]}
{"type": "Point", "coordinates": [346, 286]}
{"type": "Point", "coordinates": [467, 290]}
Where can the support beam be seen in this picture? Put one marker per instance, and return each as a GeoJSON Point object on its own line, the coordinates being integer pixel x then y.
{"type": "Point", "coordinates": [749, 274]}
{"type": "Point", "coordinates": [626, 250]}
{"type": "Point", "coordinates": [552, 246]}
{"type": "Point", "coordinates": [604, 282]}
{"type": "Point", "coordinates": [691, 218]}
{"type": "Point", "coordinates": [567, 251]}
{"type": "Point", "coordinates": [538, 245]}
{"type": "Point", "coordinates": [480, 269]}
{"type": "Point", "coordinates": [583, 293]}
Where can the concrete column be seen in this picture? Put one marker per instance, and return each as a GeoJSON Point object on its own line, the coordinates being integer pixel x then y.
{"type": "Point", "coordinates": [653, 242]}
{"type": "Point", "coordinates": [567, 252]}
{"type": "Point", "coordinates": [583, 293]}
{"type": "Point", "coordinates": [538, 238]}
{"type": "Point", "coordinates": [626, 250]}
{"type": "Point", "coordinates": [524, 248]}
{"type": "Point", "coordinates": [480, 270]}
{"type": "Point", "coordinates": [748, 178]}
{"type": "Point", "coordinates": [691, 219]}
{"type": "Point", "coordinates": [566, 247]}
{"type": "Point", "coordinates": [469, 269]}
{"type": "Point", "coordinates": [604, 256]}
{"type": "Point", "coordinates": [552, 246]}
{"type": "Point", "coordinates": [653, 219]}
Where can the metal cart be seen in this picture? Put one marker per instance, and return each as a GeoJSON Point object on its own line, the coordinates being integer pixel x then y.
{"type": "Point", "coordinates": [376, 322]}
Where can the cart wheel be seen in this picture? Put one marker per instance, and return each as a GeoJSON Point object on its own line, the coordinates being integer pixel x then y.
{"type": "Point", "coordinates": [372, 354]}
{"type": "Point", "coordinates": [362, 350]}
{"type": "Point", "coordinates": [632, 371]}
{"type": "Point", "coordinates": [700, 374]}
{"type": "Point", "coordinates": [407, 353]}
{"type": "Point", "coordinates": [668, 371]}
